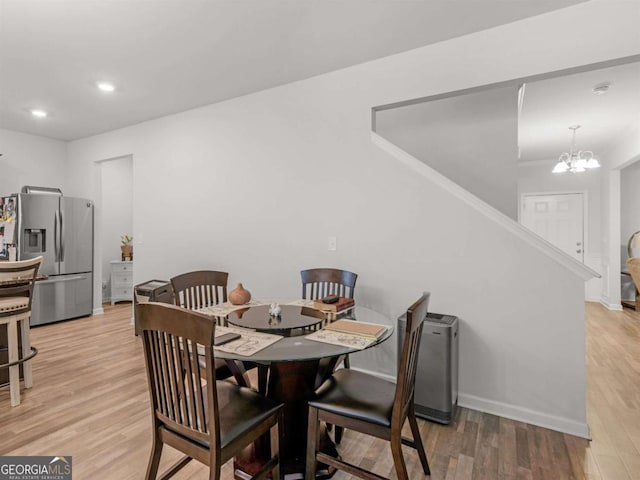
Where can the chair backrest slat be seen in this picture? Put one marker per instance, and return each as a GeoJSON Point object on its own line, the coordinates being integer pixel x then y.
{"type": "Point", "coordinates": [408, 365]}
{"type": "Point", "coordinates": [321, 282]}
{"type": "Point", "coordinates": [175, 379]}
{"type": "Point", "coordinates": [180, 387]}
{"type": "Point", "coordinates": [174, 341]}
{"type": "Point", "coordinates": [168, 374]}
{"type": "Point", "coordinates": [199, 420]}
{"type": "Point", "coordinates": [190, 389]}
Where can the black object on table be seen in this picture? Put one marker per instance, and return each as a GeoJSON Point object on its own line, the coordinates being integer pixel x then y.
{"type": "Point", "coordinates": [293, 320]}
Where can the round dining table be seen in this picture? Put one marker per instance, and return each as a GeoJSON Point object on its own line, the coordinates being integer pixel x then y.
{"type": "Point", "coordinates": [290, 372]}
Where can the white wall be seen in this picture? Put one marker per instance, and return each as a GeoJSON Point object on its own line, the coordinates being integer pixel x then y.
{"type": "Point", "coordinates": [471, 139]}
{"type": "Point", "coordinates": [255, 185]}
{"type": "Point", "coordinates": [536, 177]}
{"type": "Point", "coordinates": [31, 160]}
{"type": "Point", "coordinates": [116, 212]}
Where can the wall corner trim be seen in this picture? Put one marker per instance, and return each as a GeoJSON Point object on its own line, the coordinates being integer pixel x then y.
{"type": "Point", "coordinates": [98, 311]}
{"type": "Point", "coordinates": [487, 210]}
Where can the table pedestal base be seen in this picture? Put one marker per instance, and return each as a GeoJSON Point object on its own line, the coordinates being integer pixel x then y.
{"type": "Point", "coordinates": [248, 463]}
{"type": "Point", "coordinates": [292, 383]}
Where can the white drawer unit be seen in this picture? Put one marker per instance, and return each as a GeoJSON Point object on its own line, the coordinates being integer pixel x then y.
{"type": "Point", "coordinates": [121, 281]}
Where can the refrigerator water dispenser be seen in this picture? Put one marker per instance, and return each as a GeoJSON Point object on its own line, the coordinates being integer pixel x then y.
{"type": "Point", "coordinates": [35, 240]}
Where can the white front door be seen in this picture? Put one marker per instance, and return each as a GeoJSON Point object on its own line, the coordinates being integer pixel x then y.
{"type": "Point", "coordinates": [558, 218]}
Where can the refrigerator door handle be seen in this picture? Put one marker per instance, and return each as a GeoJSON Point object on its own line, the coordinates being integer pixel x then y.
{"type": "Point", "coordinates": [56, 251]}
{"type": "Point", "coordinates": [62, 279]}
{"type": "Point", "coordinates": [61, 236]}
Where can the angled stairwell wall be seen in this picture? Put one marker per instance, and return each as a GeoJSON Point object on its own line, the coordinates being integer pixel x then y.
{"type": "Point", "coordinates": [508, 348]}
{"type": "Point", "coordinates": [470, 139]}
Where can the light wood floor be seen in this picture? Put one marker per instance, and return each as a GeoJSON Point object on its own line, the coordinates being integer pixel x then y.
{"type": "Point", "coordinates": [90, 401]}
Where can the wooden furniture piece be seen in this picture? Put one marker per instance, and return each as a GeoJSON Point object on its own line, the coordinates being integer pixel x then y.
{"type": "Point", "coordinates": [318, 283]}
{"type": "Point", "coordinates": [209, 420]}
{"type": "Point", "coordinates": [633, 267]}
{"type": "Point", "coordinates": [321, 282]}
{"type": "Point", "coordinates": [15, 308]}
{"type": "Point", "coordinates": [198, 289]}
{"type": "Point", "coordinates": [4, 345]}
{"type": "Point", "coordinates": [293, 363]}
{"type": "Point", "coordinates": [633, 244]}
{"type": "Point", "coordinates": [370, 405]}
{"type": "Point", "coordinates": [203, 288]}
{"type": "Point", "coordinates": [121, 281]}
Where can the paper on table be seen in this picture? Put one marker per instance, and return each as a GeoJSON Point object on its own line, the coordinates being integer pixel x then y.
{"type": "Point", "coordinates": [224, 330]}
{"type": "Point", "coordinates": [224, 309]}
{"type": "Point", "coordinates": [343, 339]}
{"type": "Point", "coordinates": [366, 329]}
{"type": "Point", "coordinates": [300, 303]}
{"type": "Point", "coordinates": [249, 343]}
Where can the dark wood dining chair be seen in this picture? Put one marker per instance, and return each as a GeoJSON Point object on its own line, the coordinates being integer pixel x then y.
{"type": "Point", "coordinates": [204, 288]}
{"type": "Point", "coordinates": [199, 289]}
{"type": "Point", "coordinates": [15, 311]}
{"type": "Point", "coordinates": [211, 420]}
{"type": "Point", "coordinates": [372, 406]}
{"type": "Point", "coordinates": [319, 283]}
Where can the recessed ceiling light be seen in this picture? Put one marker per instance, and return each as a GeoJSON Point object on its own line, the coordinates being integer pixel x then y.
{"type": "Point", "coordinates": [106, 87]}
{"type": "Point", "coordinates": [39, 113]}
{"type": "Point", "coordinates": [601, 88]}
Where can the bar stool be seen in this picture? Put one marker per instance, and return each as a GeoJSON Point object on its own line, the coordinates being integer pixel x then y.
{"type": "Point", "coordinates": [16, 292]}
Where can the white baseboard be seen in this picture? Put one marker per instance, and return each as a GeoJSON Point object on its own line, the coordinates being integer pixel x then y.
{"type": "Point", "coordinates": [526, 415]}
{"type": "Point", "coordinates": [611, 306]}
{"type": "Point", "coordinates": [513, 412]}
{"type": "Point", "coordinates": [384, 376]}
{"type": "Point", "coordinates": [98, 311]}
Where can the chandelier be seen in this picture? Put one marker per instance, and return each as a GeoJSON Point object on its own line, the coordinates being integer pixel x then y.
{"type": "Point", "coordinates": [575, 160]}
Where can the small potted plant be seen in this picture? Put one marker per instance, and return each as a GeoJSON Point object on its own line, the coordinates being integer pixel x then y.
{"type": "Point", "coordinates": [126, 248]}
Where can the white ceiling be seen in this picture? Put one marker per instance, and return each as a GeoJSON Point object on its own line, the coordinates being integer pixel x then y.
{"type": "Point", "coordinates": [551, 106]}
{"type": "Point", "coordinates": [167, 56]}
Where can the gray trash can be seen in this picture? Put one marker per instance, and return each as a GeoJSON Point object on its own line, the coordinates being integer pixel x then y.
{"type": "Point", "coordinates": [436, 391]}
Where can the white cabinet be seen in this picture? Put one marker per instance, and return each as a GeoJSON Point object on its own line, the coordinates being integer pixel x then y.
{"type": "Point", "coordinates": [121, 281]}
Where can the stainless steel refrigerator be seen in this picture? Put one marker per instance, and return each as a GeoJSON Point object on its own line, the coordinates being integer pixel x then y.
{"type": "Point", "coordinates": [61, 230]}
